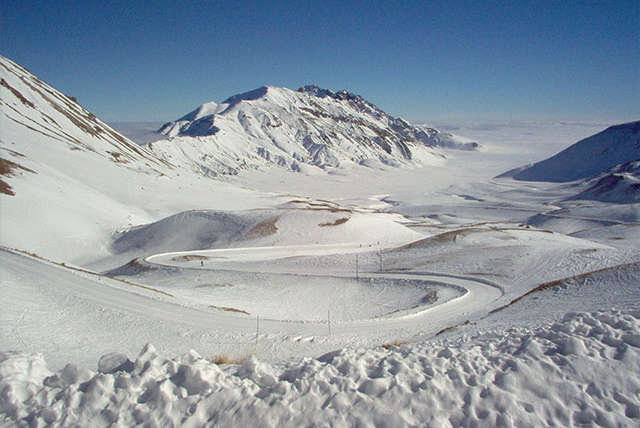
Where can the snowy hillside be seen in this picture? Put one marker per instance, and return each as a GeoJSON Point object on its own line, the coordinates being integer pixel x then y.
{"type": "Point", "coordinates": [68, 180]}
{"type": "Point", "coordinates": [298, 130]}
{"type": "Point", "coordinates": [29, 103]}
{"type": "Point", "coordinates": [586, 158]}
{"type": "Point", "coordinates": [621, 184]}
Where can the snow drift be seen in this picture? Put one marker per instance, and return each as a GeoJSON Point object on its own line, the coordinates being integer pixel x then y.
{"type": "Point", "coordinates": [582, 370]}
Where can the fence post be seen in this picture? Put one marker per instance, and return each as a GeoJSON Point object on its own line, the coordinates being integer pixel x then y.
{"type": "Point", "coordinates": [257, 330]}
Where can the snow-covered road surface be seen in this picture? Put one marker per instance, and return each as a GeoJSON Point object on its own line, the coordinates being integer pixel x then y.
{"type": "Point", "coordinates": [136, 314]}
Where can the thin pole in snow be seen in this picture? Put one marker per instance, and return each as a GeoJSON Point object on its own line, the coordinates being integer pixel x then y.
{"type": "Point", "coordinates": [257, 328]}
{"type": "Point", "coordinates": [329, 320]}
{"type": "Point", "coordinates": [356, 267]}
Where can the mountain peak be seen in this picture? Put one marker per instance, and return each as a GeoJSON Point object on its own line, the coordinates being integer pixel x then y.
{"type": "Point", "coordinates": [317, 91]}
{"type": "Point", "coordinates": [247, 96]}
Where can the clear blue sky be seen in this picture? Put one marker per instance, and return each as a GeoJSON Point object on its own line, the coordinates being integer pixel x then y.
{"type": "Point", "coordinates": [440, 60]}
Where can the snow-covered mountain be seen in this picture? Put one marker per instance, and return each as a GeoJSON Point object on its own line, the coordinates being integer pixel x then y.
{"type": "Point", "coordinates": [298, 130]}
{"type": "Point", "coordinates": [586, 158]}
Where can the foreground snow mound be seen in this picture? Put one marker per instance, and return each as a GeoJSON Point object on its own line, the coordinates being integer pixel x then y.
{"type": "Point", "coordinates": [584, 369]}
{"type": "Point", "coordinates": [300, 130]}
{"type": "Point", "coordinates": [586, 158]}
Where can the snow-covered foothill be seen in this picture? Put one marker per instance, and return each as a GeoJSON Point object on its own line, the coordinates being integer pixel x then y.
{"type": "Point", "coordinates": [586, 158]}
{"type": "Point", "coordinates": [68, 180]}
{"type": "Point", "coordinates": [621, 184]}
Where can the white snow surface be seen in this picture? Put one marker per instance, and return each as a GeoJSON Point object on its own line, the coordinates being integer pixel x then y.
{"type": "Point", "coordinates": [621, 184]}
{"type": "Point", "coordinates": [299, 278]}
{"type": "Point", "coordinates": [572, 372]}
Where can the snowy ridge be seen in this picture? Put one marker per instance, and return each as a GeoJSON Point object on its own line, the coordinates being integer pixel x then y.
{"type": "Point", "coordinates": [586, 158]}
{"type": "Point", "coordinates": [298, 130]}
{"type": "Point", "coordinates": [621, 184]}
{"type": "Point", "coordinates": [580, 370]}
{"type": "Point", "coordinates": [30, 104]}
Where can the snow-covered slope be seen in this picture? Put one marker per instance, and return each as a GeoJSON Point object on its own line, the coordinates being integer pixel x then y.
{"type": "Point", "coordinates": [29, 103]}
{"type": "Point", "coordinates": [297, 130]}
{"type": "Point", "coordinates": [620, 184]}
{"type": "Point", "coordinates": [586, 158]}
{"type": "Point", "coordinates": [290, 224]}
{"type": "Point", "coordinates": [68, 180]}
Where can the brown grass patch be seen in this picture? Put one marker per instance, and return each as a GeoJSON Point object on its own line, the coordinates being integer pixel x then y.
{"type": "Point", "coordinates": [228, 309]}
{"type": "Point", "coordinates": [223, 359]}
{"type": "Point", "coordinates": [189, 257]}
{"type": "Point", "coordinates": [557, 282]}
{"type": "Point", "coordinates": [335, 223]}
{"type": "Point", "coordinates": [264, 228]}
{"type": "Point", "coordinates": [331, 207]}
{"type": "Point", "coordinates": [8, 169]}
{"type": "Point", "coordinates": [13, 152]}
{"type": "Point", "coordinates": [118, 157]}
{"type": "Point", "coordinates": [452, 327]}
{"type": "Point", "coordinates": [16, 93]}
{"type": "Point", "coordinates": [395, 344]}
{"type": "Point", "coordinates": [445, 237]}
{"type": "Point", "coordinates": [6, 189]}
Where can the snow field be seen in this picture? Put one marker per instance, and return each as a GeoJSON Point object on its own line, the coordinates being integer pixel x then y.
{"type": "Point", "coordinates": [581, 370]}
{"type": "Point", "coordinates": [291, 297]}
